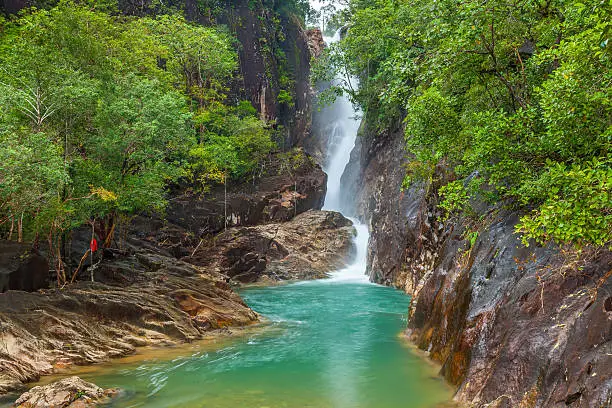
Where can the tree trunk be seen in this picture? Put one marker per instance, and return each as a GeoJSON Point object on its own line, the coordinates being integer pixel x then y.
{"type": "Point", "coordinates": [20, 229]}
{"type": "Point", "coordinates": [10, 235]}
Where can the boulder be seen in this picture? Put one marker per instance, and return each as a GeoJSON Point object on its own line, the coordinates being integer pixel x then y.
{"type": "Point", "coordinates": [22, 268]}
{"type": "Point", "coordinates": [307, 247]}
{"type": "Point", "coordinates": [278, 195]}
{"type": "Point", "coordinates": [70, 392]}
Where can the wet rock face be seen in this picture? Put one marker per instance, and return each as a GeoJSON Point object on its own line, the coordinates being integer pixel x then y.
{"type": "Point", "coordinates": [277, 196]}
{"type": "Point", "coordinates": [22, 268]}
{"type": "Point", "coordinates": [262, 37]}
{"type": "Point", "coordinates": [512, 326]}
{"type": "Point", "coordinates": [374, 176]}
{"type": "Point", "coordinates": [517, 326]}
{"type": "Point", "coordinates": [70, 392]}
{"type": "Point", "coordinates": [307, 247]}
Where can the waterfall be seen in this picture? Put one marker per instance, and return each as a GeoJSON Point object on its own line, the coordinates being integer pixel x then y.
{"type": "Point", "coordinates": [344, 125]}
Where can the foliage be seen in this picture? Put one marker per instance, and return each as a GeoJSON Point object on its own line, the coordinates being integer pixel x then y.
{"type": "Point", "coordinates": [575, 205]}
{"type": "Point", "coordinates": [511, 95]}
{"type": "Point", "coordinates": [300, 8]}
{"type": "Point", "coordinates": [99, 113]}
{"type": "Point", "coordinates": [291, 161]}
{"type": "Point", "coordinates": [454, 197]}
{"type": "Point", "coordinates": [234, 141]}
{"type": "Point", "coordinates": [32, 172]}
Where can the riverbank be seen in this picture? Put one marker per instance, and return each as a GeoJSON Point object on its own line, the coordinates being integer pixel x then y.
{"type": "Point", "coordinates": [94, 322]}
{"type": "Point", "coordinates": [327, 344]}
{"type": "Point", "coordinates": [210, 341]}
{"type": "Point", "coordinates": [143, 296]}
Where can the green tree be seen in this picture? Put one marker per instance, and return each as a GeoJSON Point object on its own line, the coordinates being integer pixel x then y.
{"type": "Point", "coordinates": [100, 113]}
{"type": "Point", "coordinates": [513, 96]}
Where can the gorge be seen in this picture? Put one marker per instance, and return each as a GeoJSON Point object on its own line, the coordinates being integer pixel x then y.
{"type": "Point", "coordinates": [260, 249]}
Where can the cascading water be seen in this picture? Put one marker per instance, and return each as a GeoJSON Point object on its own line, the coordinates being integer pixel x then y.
{"type": "Point", "coordinates": [344, 126]}
{"type": "Point", "coordinates": [327, 345]}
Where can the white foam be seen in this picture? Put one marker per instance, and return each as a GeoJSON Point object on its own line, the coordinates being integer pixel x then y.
{"type": "Point", "coordinates": [355, 272]}
{"type": "Point", "coordinates": [344, 128]}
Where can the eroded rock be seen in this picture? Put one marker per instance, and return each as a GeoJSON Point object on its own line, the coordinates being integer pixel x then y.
{"type": "Point", "coordinates": [70, 392]}
{"type": "Point", "coordinates": [517, 326]}
{"type": "Point", "coordinates": [133, 304]}
{"type": "Point", "coordinates": [307, 247]}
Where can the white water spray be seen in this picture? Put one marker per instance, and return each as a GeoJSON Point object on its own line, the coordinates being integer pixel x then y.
{"type": "Point", "coordinates": [344, 128]}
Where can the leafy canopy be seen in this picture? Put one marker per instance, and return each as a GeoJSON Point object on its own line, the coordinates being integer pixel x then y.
{"type": "Point", "coordinates": [512, 96]}
{"type": "Point", "coordinates": [100, 113]}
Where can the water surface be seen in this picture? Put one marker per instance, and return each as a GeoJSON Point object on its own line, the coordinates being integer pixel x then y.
{"type": "Point", "coordinates": [329, 344]}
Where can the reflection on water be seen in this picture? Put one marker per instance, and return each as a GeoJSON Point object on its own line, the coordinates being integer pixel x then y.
{"type": "Point", "coordinates": [329, 344]}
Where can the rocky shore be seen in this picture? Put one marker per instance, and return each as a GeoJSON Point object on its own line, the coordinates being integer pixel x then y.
{"type": "Point", "coordinates": [144, 295]}
{"type": "Point", "coordinates": [167, 301]}
{"type": "Point", "coordinates": [164, 283]}
{"type": "Point", "coordinates": [512, 326]}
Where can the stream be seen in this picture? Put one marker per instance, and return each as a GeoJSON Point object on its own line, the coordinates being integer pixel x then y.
{"type": "Point", "coordinates": [330, 343]}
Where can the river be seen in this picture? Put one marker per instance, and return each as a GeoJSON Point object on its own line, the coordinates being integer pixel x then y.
{"type": "Point", "coordinates": [330, 343]}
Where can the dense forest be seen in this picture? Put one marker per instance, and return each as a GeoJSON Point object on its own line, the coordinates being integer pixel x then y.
{"type": "Point", "coordinates": [445, 165]}
{"type": "Point", "coordinates": [511, 101]}
{"type": "Point", "coordinates": [101, 112]}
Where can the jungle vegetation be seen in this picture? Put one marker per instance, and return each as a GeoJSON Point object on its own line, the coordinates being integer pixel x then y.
{"type": "Point", "coordinates": [101, 112]}
{"type": "Point", "coordinates": [512, 98]}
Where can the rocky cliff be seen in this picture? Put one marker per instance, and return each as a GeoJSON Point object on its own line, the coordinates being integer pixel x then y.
{"type": "Point", "coordinates": [274, 54]}
{"type": "Point", "coordinates": [512, 326]}
{"type": "Point", "coordinates": [288, 184]}
{"type": "Point", "coordinates": [275, 65]}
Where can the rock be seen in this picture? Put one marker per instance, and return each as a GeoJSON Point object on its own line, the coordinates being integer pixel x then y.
{"type": "Point", "coordinates": [22, 268]}
{"type": "Point", "coordinates": [277, 196]}
{"type": "Point", "coordinates": [131, 304]}
{"type": "Point", "coordinates": [263, 35]}
{"type": "Point", "coordinates": [527, 324]}
{"type": "Point", "coordinates": [307, 247]}
{"type": "Point", "coordinates": [70, 392]}
{"type": "Point", "coordinates": [512, 326]}
{"type": "Point", "coordinates": [316, 44]}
